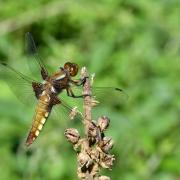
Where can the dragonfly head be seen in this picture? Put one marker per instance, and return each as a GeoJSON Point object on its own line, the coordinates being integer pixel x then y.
{"type": "Point", "coordinates": [72, 68]}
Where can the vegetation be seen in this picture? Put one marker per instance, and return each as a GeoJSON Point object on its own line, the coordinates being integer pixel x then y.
{"type": "Point", "coordinates": [131, 44]}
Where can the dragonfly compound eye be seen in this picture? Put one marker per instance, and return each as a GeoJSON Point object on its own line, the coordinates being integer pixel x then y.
{"type": "Point", "coordinates": [72, 68]}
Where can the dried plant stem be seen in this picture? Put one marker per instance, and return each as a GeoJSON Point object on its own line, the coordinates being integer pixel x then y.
{"type": "Point", "coordinates": [87, 100]}
{"type": "Point", "coordinates": [87, 114]}
{"type": "Point", "coordinates": [93, 149]}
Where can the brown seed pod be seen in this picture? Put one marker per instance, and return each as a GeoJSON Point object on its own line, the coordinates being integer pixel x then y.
{"type": "Point", "coordinates": [103, 123]}
{"type": "Point", "coordinates": [106, 144]}
{"type": "Point", "coordinates": [72, 135]}
{"type": "Point", "coordinates": [107, 161]}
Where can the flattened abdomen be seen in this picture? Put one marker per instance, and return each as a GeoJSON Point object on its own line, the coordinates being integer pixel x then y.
{"type": "Point", "coordinates": [43, 110]}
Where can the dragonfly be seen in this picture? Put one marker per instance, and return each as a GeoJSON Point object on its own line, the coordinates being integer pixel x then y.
{"type": "Point", "coordinates": [51, 86]}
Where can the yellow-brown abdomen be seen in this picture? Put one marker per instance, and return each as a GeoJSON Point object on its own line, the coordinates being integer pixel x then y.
{"type": "Point", "coordinates": [41, 114]}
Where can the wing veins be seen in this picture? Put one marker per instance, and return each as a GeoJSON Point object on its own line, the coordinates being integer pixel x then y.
{"type": "Point", "coordinates": [32, 50]}
{"type": "Point", "coordinates": [24, 77]}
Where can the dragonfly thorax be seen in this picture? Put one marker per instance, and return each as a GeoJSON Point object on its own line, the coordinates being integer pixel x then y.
{"type": "Point", "coordinates": [49, 88]}
{"type": "Point", "coordinates": [55, 83]}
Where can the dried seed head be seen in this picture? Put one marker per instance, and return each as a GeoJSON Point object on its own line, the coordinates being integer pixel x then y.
{"type": "Point", "coordinates": [106, 144]}
{"type": "Point", "coordinates": [72, 135]}
{"type": "Point", "coordinates": [73, 113]}
{"type": "Point", "coordinates": [84, 161]}
{"type": "Point", "coordinates": [103, 123]}
{"type": "Point", "coordinates": [95, 155]}
{"type": "Point", "coordinates": [92, 129]}
{"type": "Point", "coordinates": [107, 161]}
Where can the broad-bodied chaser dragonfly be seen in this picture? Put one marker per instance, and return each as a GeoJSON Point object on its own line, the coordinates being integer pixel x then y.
{"type": "Point", "coordinates": [47, 91]}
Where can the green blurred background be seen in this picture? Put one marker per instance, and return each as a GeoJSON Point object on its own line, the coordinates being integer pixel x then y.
{"type": "Point", "coordinates": [131, 44]}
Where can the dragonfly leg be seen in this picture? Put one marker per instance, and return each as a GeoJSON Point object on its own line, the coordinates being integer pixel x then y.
{"type": "Point", "coordinates": [79, 82]}
{"type": "Point", "coordinates": [71, 94]}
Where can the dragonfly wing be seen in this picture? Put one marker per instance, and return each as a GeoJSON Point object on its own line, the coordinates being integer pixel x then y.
{"type": "Point", "coordinates": [36, 64]}
{"type": "Point", "coordinates": [104, 94]}
{"type": "Point", "coordinates": [66, 113]}
{"type": "Point", "coordinates": [20, 84]}
{"type": "Point", "coordinates": [109, 95]}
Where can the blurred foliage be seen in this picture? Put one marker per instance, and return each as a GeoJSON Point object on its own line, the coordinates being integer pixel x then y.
{"type": "Point", "coordinates": [131, 44]}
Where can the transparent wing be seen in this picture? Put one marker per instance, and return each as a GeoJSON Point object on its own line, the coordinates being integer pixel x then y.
{"type": "Point", "coordinates": [20, 84]}
{"type": "Point", "coordinates": [105, 95]}
{"type": "Point", "coordinates": [35, 62]}
{"type": "Point", "coordinates": [105, 99]}
{"type": "Point", "coordinates": [66, 114]}
{"type": "Point", "coordinates": [109, 94]}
